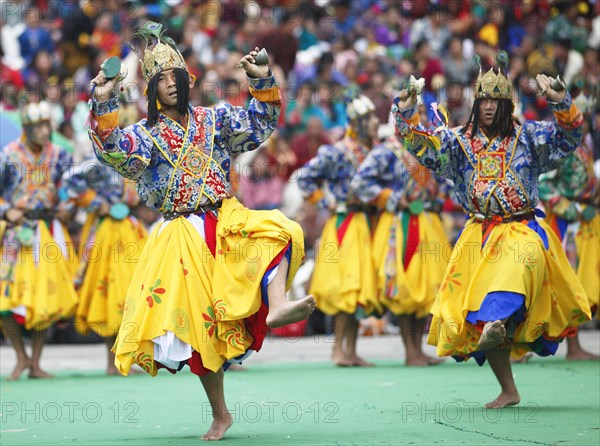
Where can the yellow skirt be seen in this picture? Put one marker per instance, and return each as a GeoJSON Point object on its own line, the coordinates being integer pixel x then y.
{"type": "Point", "coordinates": [587, 241]}
{"type": "Point", "coordinates": [344, 276]}
{"type": "Point", "coordinates": [36, 280]}
{"type": "Point", "coordinates": [513, 262]}
{"type": "Point", "coordinates": [203, 299]}
{"type": "Point", "coordinates": [409, 290]}
{"type": "Point", "coordinates": [108, 260]}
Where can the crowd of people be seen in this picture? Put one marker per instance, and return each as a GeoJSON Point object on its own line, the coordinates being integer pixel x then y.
{"type": "Point", "coordinates": [381, 127]}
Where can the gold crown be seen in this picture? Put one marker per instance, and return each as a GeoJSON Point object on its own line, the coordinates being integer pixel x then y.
{"type": "Point", "coordinates": [493, 85]}
{"type": "Point", "coordinates": [161, 58]}
{"type": "Point", "coordinates": [156, 51]}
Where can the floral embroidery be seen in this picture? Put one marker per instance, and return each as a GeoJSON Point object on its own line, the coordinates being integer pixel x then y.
{"type": "Point", "coordinates": [154, 294]}
{"type": "Point", "coordinates": [234, 336]}
{"type": "Point", "coordinates": [451, 278]}
{"type": "Point", "coordinates": [145, 361]}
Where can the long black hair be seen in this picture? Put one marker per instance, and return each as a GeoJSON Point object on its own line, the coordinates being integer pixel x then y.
{"type": "Point", "coordinates": [183, 95]}
{"type": "Point", "coordinates": [503, 124]}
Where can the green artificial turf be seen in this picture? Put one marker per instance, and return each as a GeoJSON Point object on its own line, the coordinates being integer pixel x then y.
{"type": "Point", "coordinates": [311, 404]}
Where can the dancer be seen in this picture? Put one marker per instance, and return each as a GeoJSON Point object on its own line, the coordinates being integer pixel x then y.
{"type": "Point", "coordinates": [409, 239]}
{"type": "Point", "coordinates": [571, 197]}
{"type": "Point", "coordinates": [37, 254]}
{"type": "Point", "coordinates": [213, 275]}
{"type": "Point", "coordinates": [508, 285]}
{"type": "Point", "coordinates": [343, 281]}
{"type": "Point", "coordinates": [111, 242]}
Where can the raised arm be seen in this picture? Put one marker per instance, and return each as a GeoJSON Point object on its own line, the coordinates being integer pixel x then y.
{"type": "Point", "coordinates": [243, 130]}
{"type": "Point", "coordinates": [439, 151]}
{"type": "Point", "coordinates": [125, 150]}
{"type": "Point", "coordinates": [551, 142]}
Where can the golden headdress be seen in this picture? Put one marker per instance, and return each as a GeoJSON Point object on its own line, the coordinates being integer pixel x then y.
{"type": "Point", "coordinates": [156, 51]}
{"type": "Point", "coordinates": [495, 84]}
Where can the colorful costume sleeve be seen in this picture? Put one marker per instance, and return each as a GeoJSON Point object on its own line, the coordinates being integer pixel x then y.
{"type": "Point", "coordinates": [369, 182]}
{"type": "Point", "coordinates": [125, 150]}
{"type": "Point", "coordinates": [438, 152]}
{"type": "Point", "coordinates": [550, 142]}
{"type": "Point", "coordinates": [313, 174]}
{"type": "Point", "coordinates": [90, 184]}
{"type": "Point", "coordinates": [244, 130]}
{"type": "Point", "coordinates": [553, 200]}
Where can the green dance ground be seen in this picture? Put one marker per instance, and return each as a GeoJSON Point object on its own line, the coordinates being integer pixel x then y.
{"type": "Point", "coordinates": [311, 404]}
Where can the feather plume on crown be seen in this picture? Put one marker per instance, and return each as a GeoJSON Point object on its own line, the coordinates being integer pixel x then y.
{"type": "Point", "coordinates": [155, 51]}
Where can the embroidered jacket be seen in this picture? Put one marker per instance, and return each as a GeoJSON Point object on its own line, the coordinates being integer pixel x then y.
{"type": "Point", "coordinates": [574, 181]}
{"type": "Point", "coordinates": [389, 173]}
{"type": "Point", "coordinates": [30, 181]}
{"type": "Point", "coordinates": [498, 177]}
{"type": "Point", "coordinates": [90, 184]}
{"type": "Point", "coordinates": [178, 169]}
{"type": "Point", "coordinates": [325, 179]}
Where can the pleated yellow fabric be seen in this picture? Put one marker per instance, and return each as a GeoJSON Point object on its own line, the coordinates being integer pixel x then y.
{"type": "Point", "coordinates": [107, 266]}
{"type": "Point", "coordinates": [44, 288]}
{"type": "Point", "coordinates": [344, 275]}
{"type": "Point", "coordinates": [513, 259]}
{"type": "Point", "coordinates": [587, 241]}
{"type": "Point", "coordinates": [179, 286]}
{"type": "Point", "coordinates": [411, 290]}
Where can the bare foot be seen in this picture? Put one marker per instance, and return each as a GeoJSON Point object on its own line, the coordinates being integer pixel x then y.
{"type": "Point", "coordinates": [341, 360]}
{"type": "Point", "coordinates": [522, 360]}
{"type": "Point", "coordinates": [218, 428]}
{"type": "Point", "coordinates": [18, 370]}
{"type": "Point", "coordinates": [357, 361]}
{"type": "Point", "coordinates": [493, 334]}
{"type": "Point", "coordinates": [416, 362]}
{"type": "Point", "coordinates": [290, 312]}
{"type": "Point", "coordinates": [504, 399]}
{"type": "Point", "coordinates": [582, 355]}
{"type": "Point", "coordinates": [431, 360]}
{"type": "Point", "coordinates": [38, 373]}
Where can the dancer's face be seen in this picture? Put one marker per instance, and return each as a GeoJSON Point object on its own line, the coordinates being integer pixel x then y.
{"type": "Point", "coordinates": [38, 134]}
{"type": "Point", "coordinates": [487, 112]}
{"type": "Point", "coordinates": [167, 89]}
{"type": "Point", "coordinates": [372, 126]}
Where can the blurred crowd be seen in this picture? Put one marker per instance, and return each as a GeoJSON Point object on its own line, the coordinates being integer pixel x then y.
{"type": "Point", "coordinates": [321, 51]}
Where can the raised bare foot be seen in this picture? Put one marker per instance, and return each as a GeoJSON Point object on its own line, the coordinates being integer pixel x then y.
{"type": "Point", "coordinates": [504, 399]}
{"type": "Point", "coordinates": [38, 373]}
{"type": "Point", "coordinates": [357, 361]}
{"type": "Point", "coordinates": [290, 312]}
{"type": "Point", "coordinates": [218, 428]}
{"type": "Point", "coordinates": [582, 355]}
{"type": "Point", "coordinates": [493, 334]}
{"type": "Point", "coordinates": [18, 370]}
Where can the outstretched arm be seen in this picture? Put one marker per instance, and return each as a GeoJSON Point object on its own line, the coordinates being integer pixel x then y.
{"type": "Point", "coordinates": [551, 142]}
{"type": "Point", "coordinates": [125, 150]}
{"type": "Point", "coordinates": [435, 150]}
{"type": "Point", "coordinates": [242, 130]}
